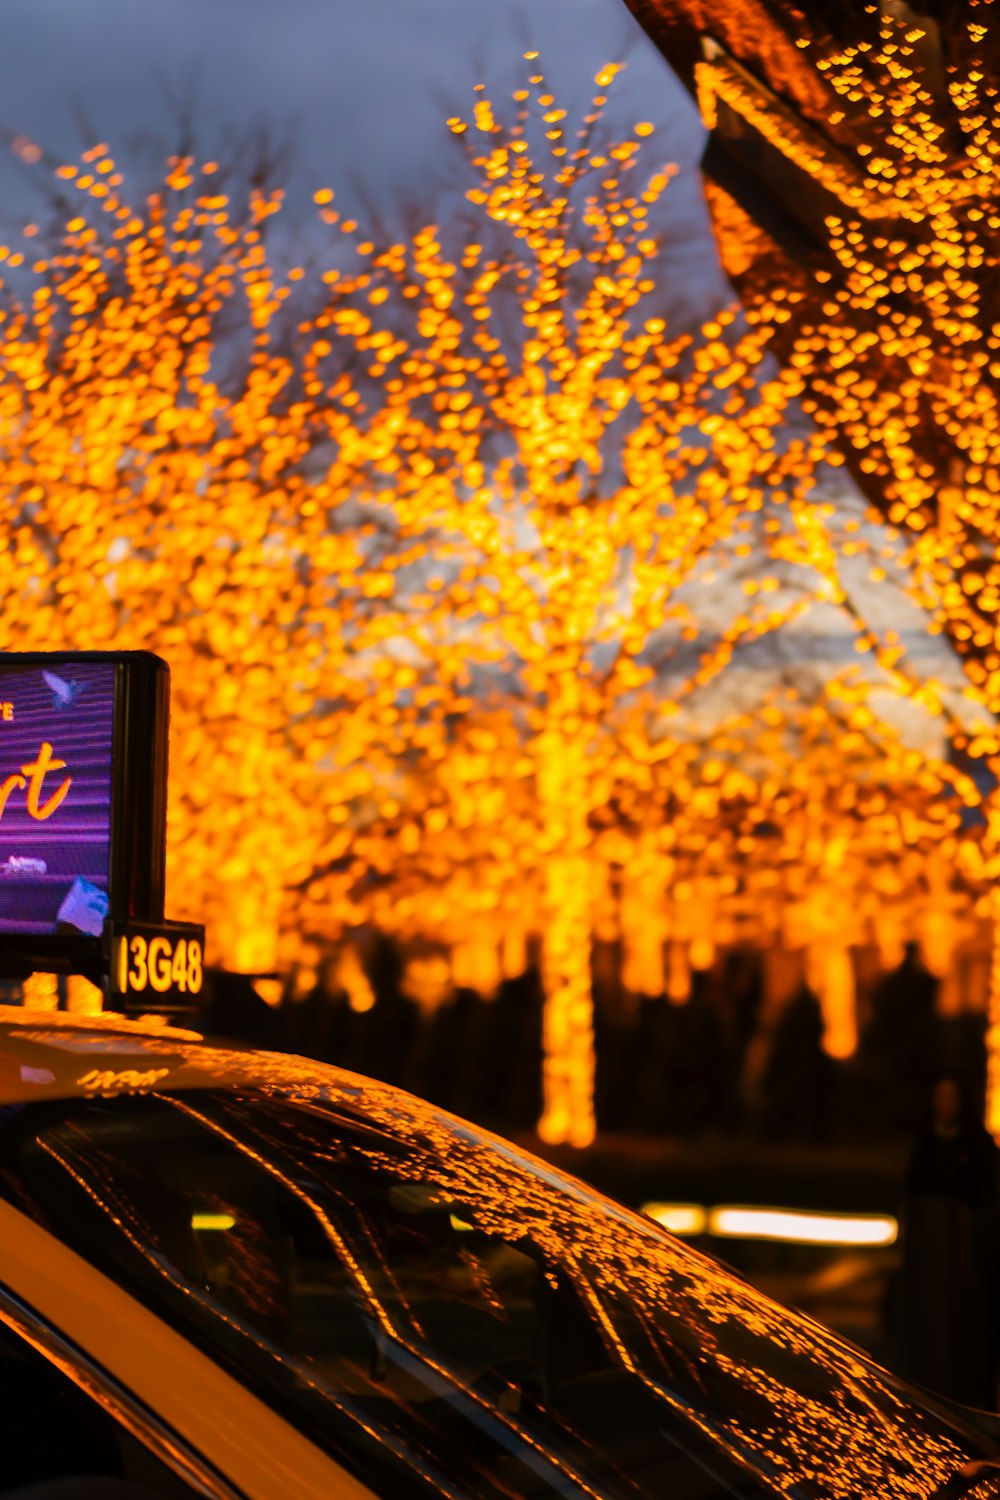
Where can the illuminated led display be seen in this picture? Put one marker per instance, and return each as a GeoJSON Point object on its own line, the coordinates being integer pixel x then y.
{"type": "Point", "coordinates": [56, 740]}
{"type": "Point", "coordinates": [83, 798]}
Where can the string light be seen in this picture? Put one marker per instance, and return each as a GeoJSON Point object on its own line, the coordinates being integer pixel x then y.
{"type": "Point", "coordinates": [892, 327]}
{"type": "Point", "coordinates": [430, 570]}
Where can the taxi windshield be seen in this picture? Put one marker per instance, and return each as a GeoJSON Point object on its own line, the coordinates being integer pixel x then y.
{"type": "Point", "coordinates": [447, 1316]}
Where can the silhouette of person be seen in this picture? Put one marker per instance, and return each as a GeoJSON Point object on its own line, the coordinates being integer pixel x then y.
{"type": "Point", "coordinates": [795, 1085]}
{"type": "Point", "coordinates": [947, 1337]}
{"type": "Point", "coordinates": [900, 1048]}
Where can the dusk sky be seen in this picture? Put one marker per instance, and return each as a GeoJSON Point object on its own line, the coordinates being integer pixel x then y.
{"type": "Point", "coordinates": [365, 86]}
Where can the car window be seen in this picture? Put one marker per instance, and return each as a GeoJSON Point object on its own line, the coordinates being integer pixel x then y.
{"type": "Point", "coordinates": [440, 1313]}
{"type": "Point", "coordinates": [52, 1428]}
{"type": "Point", "coordinates": [423, 1350]}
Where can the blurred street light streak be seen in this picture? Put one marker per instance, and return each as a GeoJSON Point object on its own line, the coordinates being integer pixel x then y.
{"type": "Point", "coordinates": [791, 1226]}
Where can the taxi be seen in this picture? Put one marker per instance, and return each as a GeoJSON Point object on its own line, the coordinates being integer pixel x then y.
{"type": "Point", "coordinates": [233, 1273]}
{"type": "Point", "coordinates": [228, 1273]}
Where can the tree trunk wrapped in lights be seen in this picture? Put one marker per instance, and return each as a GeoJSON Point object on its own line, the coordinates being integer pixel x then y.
{"type": "Point", "coordinates": [805, 834]}
{"type": "Point", "coordinates": [993, 994]}
{"type": "Point", "coordinates": [563, 789]}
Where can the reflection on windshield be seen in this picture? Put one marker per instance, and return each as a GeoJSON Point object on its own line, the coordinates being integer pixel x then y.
{"type": "Point", "coordinates": [974, 1481]}
{"type": "Point", "coordinates": [414, 1295]}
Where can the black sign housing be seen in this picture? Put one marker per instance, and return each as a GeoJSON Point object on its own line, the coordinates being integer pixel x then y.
{"type": "Point", "coordinates": [123, 699]}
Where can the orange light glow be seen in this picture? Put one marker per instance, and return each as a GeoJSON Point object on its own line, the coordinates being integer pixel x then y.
{"type": "Point", "coordinates": [796, 1227]}
{"type": "Point", "coordinates": [788, 1225]}
{"type": "Point", "coordinates": [430, 565]}
{"type": "Point", "coordinates": [679, 1218]}
{"type": "Point", "coordinates": [892, 326]}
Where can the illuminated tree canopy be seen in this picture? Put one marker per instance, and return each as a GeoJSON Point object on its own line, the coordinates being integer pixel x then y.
{"type": "Point", "coordinates": [565, 478]}
{"type": "Point", "coordinates": [148, 503]}
{"type": "Point", "coordinates": [861, 227]}
{"type": "Point", "coordinates": [854, 160]}
{"type": "Point", "coordinates": [427, 535]}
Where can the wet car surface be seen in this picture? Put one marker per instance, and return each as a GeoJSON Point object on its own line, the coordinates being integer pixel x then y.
{"type": "Point", "coordinates": [365, 1295]}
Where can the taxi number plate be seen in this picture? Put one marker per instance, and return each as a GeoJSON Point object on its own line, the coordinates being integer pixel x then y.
{"type": "Point", "coordinates": [157, 965]}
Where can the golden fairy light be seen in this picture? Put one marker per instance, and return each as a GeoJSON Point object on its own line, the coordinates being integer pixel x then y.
{"type": "Point", "coordinates": [546, 467]}
{"type": "Point", "coordinates": [426, 542]}
{"type": "Point", "coordinates": [893, 329]}
{"type": "Point", "coordinates": [564, 474]}
{"type": "Point", "coordinates": [151, 503]}
{"type": "Point", "coordinates": [890, 320]}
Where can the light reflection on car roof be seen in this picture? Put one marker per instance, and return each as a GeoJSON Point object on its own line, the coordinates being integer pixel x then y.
{"type": "Point", "coordinates": [788, 1397]}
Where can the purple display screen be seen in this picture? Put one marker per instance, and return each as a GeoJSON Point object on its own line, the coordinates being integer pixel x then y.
{"type": "Point", "coordinates": [56, 736]}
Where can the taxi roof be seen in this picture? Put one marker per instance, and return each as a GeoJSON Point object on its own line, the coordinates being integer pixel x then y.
{"type": "Point", "coordinates": [55, 1055]}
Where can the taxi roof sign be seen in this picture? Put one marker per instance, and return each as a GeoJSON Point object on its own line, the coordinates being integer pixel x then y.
{"type": "Point", "coordinates": [83, 804]}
